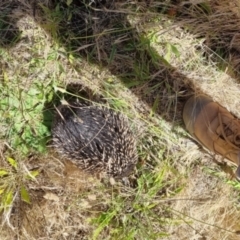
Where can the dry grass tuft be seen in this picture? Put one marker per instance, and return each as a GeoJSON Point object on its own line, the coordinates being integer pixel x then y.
{"type": "Point", "coordinates": [210, 213]}
{"type": "Point", "coordinates": [217, 23]}
{"type": "Point", "coordinates": [61, 210]}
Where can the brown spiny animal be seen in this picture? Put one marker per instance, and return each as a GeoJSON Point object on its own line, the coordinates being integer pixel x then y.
{"type": "Point", "coordinates": [95, 138]}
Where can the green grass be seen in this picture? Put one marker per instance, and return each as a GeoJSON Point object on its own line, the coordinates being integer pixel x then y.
{"type": "Point", "coordinates": [22, 108]}
{"type": "Point", "coordinates": [140, 213]}
{"type": "Point", "coordinates": [23, 111]}
{"type": "Point", "coordinates": [14, 180]}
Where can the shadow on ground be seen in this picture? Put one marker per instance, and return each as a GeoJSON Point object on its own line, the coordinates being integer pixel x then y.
{"type": "Point", "coordinates": [218, 23]}
{"type": "Point", "coordinates": [100, 31]}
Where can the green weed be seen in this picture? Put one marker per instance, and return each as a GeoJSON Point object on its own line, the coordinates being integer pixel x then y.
{"type": "Point", "coordinates": [141, 213]}
{"type": "Point", "coordinates": [21, 115]}
{"type": "Point", "coordinates": [13, 179]}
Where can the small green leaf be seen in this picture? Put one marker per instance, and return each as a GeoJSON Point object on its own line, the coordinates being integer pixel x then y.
{"type": "Point", "coordinates": [167, 56]}
{"type": "Point", "coordinates": [24, 195]}
{"type": "Point", "coordinates": [154, 107]}
{"type": "Point", "coordinates": [171, 49]}
{"type": "Point", "coordinates": [3, 173]}
{"type": "Point", "coordinates": [33, 92]}
{"type": "Point", "coordinates": [18, 126]}
{"type": "Point", "coordinates": [104, 221]}
{"type": "Point", "coordinates": [7, 199]}
{"type": "Point", "coordinates": [1, 191]}
{"type": "Point", "coordinates": [50, 97]}
{"type": "Point", "coordinates": [5, 77]}
{"type": "Point", "coordinates": [71, 58]}
{"type": "Point", "coordinates": [175, 50]}
{"type": "Point", "coordinates": [69, 2]}
{"type": "Point", "coordinates": [32, 174]}
{"type": "Point", "coordinates": [12, 162]}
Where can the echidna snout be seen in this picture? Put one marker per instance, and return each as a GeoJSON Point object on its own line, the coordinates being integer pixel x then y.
{"type": "Point", "coordinates": [95, 138]}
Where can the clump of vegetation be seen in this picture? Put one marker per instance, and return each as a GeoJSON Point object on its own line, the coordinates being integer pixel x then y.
{"type": "Point", "coordinates": [22, 115]}
{"type": "Point", "coordinates": [14, 177]}
{"type": "Point", "coordinates": [142, 213]}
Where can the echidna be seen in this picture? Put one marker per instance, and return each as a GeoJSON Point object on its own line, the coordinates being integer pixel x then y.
{"type": "Point", "coordinates": [95, 138]}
